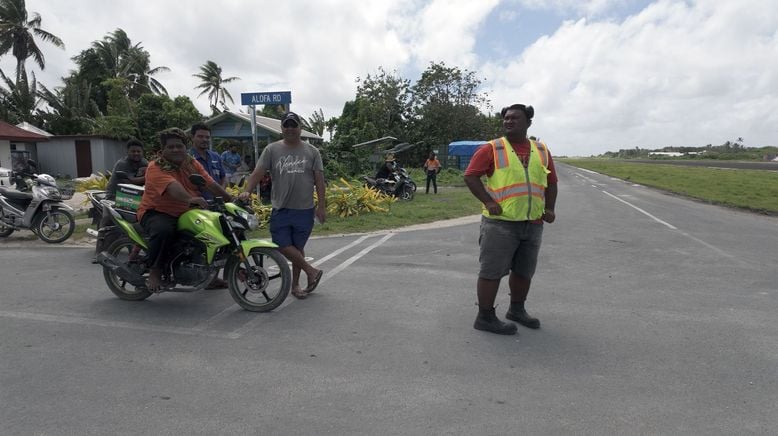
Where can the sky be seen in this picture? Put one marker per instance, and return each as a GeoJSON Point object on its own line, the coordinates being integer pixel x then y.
{"type": "Point", "coordinates": [601, 74]}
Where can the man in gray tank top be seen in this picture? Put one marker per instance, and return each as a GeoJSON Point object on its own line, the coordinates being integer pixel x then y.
{"type": "Point", "coordinates": [295, 168]}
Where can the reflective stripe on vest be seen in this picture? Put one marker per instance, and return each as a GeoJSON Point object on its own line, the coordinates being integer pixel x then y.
{"type": "Point", "coordinates": [519, 199]}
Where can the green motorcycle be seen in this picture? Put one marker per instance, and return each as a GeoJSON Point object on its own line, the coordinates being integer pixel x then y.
{"type": "Point", "coordinates": [206, 241]}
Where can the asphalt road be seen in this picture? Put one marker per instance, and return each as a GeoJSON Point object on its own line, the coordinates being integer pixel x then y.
{"type": "Point", "coordinates": [658, 317]}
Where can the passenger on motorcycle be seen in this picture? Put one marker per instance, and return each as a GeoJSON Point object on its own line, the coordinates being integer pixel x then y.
{"type": "Point", "coordinates": [134, 165]}
{"type": "Point", "coordinates": [168, 194]}
{"type": "Point", "coordinates": [387, 171]}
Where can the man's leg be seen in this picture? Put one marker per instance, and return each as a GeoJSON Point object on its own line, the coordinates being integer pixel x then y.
{"type": "Point", "coordinates": [160, 228]}
{"type": "Point", "coordinates": [495, 242]}
{"type": "Point", "coordinates": [429, 178]}
{"type": "Point", "coordinates": [435, 182]}
{"type": "Point", "coordinates": [524, 263]}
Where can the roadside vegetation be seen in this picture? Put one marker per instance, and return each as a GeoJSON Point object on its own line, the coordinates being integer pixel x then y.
{"type": "Point", "coordinates": [754, 190]}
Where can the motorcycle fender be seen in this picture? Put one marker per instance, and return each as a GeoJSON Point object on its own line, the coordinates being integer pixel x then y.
{"type": "Point", "coordinates": [248, 244]}
{"type": "Point", "coordinates": [130, 231]}
{"type": "Point", "coordinates": [48, 205]}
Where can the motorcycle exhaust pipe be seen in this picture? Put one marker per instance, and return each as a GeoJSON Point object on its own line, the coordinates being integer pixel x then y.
{"type": "Point", "coordinates": [120, 269]}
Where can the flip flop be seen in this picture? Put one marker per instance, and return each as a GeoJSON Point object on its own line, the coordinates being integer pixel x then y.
{"type": "Point", "coordinates": [300, 295]}
{"type": "Point", "coordinates": [312, 287]}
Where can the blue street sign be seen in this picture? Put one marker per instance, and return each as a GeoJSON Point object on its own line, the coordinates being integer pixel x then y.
{"type": "Point", "coordinates": [254, 98]}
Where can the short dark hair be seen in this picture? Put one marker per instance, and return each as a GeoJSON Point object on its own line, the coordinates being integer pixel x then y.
{"type": "Point", "coordinates": [198, 126]}
{"type": "Point", "coordinates": [134, 142]}
{"type": "Point", "coordinates": [172, 133]}
{"type": "Point", "coordinates": [529, 111]}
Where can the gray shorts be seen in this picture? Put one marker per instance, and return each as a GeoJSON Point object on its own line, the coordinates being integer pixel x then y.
{"type": "Point", "coordinates": [508, 246]}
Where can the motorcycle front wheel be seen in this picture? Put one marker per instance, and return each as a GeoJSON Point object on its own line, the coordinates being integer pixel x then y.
{"type": "Point", "coordinates": [127, 252]}
{"type": "Point", "coordinates": [55, 226]}
{"type": "Point", "coordinates": [407, 193]}
{"type": "Point", "coordinates": [267, 288]}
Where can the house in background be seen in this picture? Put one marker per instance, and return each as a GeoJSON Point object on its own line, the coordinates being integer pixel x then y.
{"type": "Point", "coordinates": [460, 152]}
{"type": "Point", "coordinates": [237, 126]}
{"type": "Point", "coordinates": [74, 155]}
{"type": "Point", "coordinates": [79, 155]}
{"type": "Point", "coordinates": [17, 145]}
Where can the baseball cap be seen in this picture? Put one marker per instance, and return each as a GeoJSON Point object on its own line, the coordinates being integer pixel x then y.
{"type": "Point", "coordinates": [290, 116]}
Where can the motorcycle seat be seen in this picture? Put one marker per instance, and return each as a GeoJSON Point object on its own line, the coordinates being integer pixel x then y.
{"type": "Point", "coordinates": [15, 195]}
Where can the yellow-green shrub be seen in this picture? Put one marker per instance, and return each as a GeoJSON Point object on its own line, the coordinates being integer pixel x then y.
{"type": "Point", "coordinates": [97, 183]}
{"type": "Point", "coordinates": [351, 199]}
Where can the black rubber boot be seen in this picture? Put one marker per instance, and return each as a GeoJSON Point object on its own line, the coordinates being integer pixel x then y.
{"type": "Point", "coordinates": [521, 316]}
{"type": "Point", "coordinates": [487, 321]}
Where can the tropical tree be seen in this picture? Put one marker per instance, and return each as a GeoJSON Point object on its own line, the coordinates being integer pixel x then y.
{"type": "Point", "coordinates": [316, 122]}
{"type": "Point", "coordinates": [116, 57]}
{"type": "Point", "coordinates": [71, 109]}
{"type": "Point", "coordinates": [212, 83]}
{"type": "Point", "coordinates": [18, 33]}
{"type": "Point", "coordinates": [20, 98]}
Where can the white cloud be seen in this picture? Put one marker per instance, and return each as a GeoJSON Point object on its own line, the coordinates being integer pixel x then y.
{"type": "Point", "coordinates": [677, 73]}
{"type": "Point", "coordinates": [674, 74]}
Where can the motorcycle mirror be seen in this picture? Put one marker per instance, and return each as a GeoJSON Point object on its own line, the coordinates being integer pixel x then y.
{"type": "Point", "coordinates": [32, 163]}
{"type": "Point", "coordinates": [197, 180]}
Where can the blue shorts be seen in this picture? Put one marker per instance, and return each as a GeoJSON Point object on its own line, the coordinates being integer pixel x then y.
{"type": "Point", "coordinates": [291, 226]}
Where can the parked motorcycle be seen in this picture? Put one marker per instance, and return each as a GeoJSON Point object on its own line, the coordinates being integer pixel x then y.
{"type": "Point", "coordinates": [399, 184]}
{"type": "Point", "coordinates": [258, 275]}
{"type": "Point", "coordinates": [41, 210]}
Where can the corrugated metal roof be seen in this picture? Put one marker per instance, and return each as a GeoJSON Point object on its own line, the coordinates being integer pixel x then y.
{"type": "Point", "coordinates": [272, 125]}
{"type": "Point", "coordinates": [30, 128]}
{"type": "Point", "coordinates": [12, 133]}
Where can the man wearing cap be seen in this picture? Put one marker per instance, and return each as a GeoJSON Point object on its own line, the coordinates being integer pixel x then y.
{"type": "Point", "coordinates": [520, 193]}
{"type": "Point", "coordinates": [296, 168]}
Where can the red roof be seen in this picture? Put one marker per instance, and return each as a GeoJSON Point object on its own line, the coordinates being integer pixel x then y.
{"type": "Point", "coordinates": [9, 132]}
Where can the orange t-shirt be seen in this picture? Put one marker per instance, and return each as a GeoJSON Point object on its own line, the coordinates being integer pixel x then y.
{"type": "Point", "coordinates": [157, 181]}
{"type": "Point", "coordinates": [432, 165]}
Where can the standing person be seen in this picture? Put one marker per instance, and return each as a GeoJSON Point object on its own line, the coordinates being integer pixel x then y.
{"type": "Point", "coordinates": [209, 159]}
{"type": "Point", "coordinates": [520, 193]}
{"type": "Point", "coordinates": [296, 168]}
{"type": "Point", "coordinates": [432, 167]}
{"type": "Point", "coordinates": [134, 166]}
{"type": "Point", "coordinates": [168, 194]}
{"type": "Point", "coordinates": [231, 161]}
{"type": "Point", "coordinates": [212, 162]}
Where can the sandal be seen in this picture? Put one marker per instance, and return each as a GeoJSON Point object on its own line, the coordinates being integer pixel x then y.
{"type": "Point", "coordinates": [299, 294]}
{"type": "Point", "coordinates": [312, 286]}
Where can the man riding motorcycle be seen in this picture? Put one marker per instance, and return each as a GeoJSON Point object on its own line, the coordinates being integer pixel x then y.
{"type": "Point", "coordinates": [169, 193]}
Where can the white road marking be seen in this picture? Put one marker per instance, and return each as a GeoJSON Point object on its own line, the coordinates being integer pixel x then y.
{"type": "Point", "coordinates": [235, 309]}
{"type": "Point", "coordinates": [694, 238]}
{"type": "Point", "coordinates": [641, 211]}
{"type": "Point", "coordinates": [327, 275]}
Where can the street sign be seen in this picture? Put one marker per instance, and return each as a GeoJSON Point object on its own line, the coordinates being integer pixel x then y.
{"type": "Point", "coordinates": [254, 98]}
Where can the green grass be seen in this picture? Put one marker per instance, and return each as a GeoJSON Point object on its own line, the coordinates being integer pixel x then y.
{"type": "Point", "coordinates": [450, 202]}
{"type": "Point", "coordinates": [755, 190]}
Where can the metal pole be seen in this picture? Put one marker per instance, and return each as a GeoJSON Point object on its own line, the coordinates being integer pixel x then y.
{"type": "Point", "coordinates": [254, 139]}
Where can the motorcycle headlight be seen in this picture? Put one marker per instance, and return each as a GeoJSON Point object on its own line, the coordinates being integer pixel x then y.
{"type": "Point", "coordinates": [250, 218]}
{"type": "Point", "coordinates": [50, 192]}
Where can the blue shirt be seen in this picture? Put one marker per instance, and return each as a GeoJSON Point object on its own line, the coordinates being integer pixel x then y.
{"type": "Point", "coordinates": [231, 162]}
{"type": "Point", "coordinates": [213, 165]}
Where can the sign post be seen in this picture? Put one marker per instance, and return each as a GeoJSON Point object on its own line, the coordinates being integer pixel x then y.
{"type": "Point", "coordinates": [252, 99]}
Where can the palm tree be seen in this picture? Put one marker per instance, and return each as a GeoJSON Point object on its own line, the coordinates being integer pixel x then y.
{"type": "Point", "coordinates": [20, 97]}
{"type": "Point", "coordinates": [17, 34]}
{"type": "Point", "coordinates": [122, 60]}
{"type": "Point", "coordinates": [212, 83]}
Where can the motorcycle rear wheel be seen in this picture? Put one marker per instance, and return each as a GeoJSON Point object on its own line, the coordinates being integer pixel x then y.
{"type": "Point", "coordinates": [54, 227]}
{"type": "Point", "coordinates": [4, 229]}
{"type": "Point", "coordinates": [269, 289]}
{"type": "Point", "coordinates": [121, 250]}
